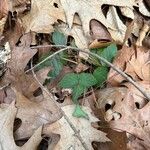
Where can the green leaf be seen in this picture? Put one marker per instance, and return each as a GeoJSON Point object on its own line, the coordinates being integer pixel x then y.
{"type": "Point", "coordinates": [57, 66]}
{"type": "Point", "coordinates": [77, 92]}
{"type": "Point", "coordinates": [109, 53]}
{"type": "Point", "coordinates": [79, 113]}
{"type": "Point", "coordinates": [69, 80]}
{"type": "Point", "coordinates": [87, 80]}
{"type": "Point", "coordinates": [100, 74]}
{"type": "Point", "coordinates": [59, 38]}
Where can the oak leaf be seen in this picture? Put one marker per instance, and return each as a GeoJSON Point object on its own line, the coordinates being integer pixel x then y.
{"type": "Point", "coordinates": [88, 10]}
{"type": "Point", "coordinates": [68, 137]}
{"type": "Point", "coordinates": [7, 116]}
{"type": "Point", "coordinates": [43, 15]}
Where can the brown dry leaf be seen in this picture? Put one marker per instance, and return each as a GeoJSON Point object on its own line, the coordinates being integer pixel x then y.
{"type": "Point", "coordinates": [26, 83]}
{"type": "Point", "coordinates": [21, 55]}
{"type": "Point", "coordinates": [88, 10]}
{"type": "Point", "coordinates": [43, 15]}
{"type": "Point", "coordinates": [3, 14]}
{"type": "Point", "coordinates": [81, 67]}
{"type": "Point", "coordinates": [68, 138]}
{"type": "Point", "coordinates": [140, 64]}
{"type": "Point", "coordinates": [118, 29]}
{"type": "Point", "coordinates": [99, 34]}
{"type": "Point", "coordinates": [129, 112]}
{"type": "Point", "coordinates": [107, 99]}
{"type": "Point", "coordinates": [33, 114]}
{"type": "Point", "coordinates": [120, 61]}
{"type": "Point", "coordinates": [134, 121]}
{"type": "Point", "coordinates": [7, 116]}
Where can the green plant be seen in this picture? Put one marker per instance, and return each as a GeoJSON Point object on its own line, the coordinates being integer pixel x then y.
{"type": "Point", "coordinates": [79, 83]}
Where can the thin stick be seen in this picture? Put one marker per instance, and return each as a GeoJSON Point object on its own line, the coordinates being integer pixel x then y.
{"type": "Point", "coordinates": [141, 89]}
{"type": "Point", "coordinates": [61, 111]}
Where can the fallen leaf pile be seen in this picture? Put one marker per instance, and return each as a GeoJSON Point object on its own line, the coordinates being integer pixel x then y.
{"type": "Point", "coordinates": [36, 99]}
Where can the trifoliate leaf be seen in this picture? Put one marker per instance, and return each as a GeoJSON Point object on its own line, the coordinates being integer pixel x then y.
{"type": "Point", "coordinates": [87, 80]}
{"type": "Point", "coordinates": [100, 74]}
{"type": "Point", "coordinates": [79, 113]}
{"type": "Point", "coordinates": [109, 53]}
{"type": "Point", "coordinates": [59, 38]}
{"type": "Point", "coordinates": [69, 81]}
{"type": "Point", "coordinates": [78, 90]}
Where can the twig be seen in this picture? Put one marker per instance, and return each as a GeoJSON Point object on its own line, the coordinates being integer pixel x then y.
{"type": "Point", "coordinates": [141, 89]}
{"type": "Point", "coordinates": [63, 113]}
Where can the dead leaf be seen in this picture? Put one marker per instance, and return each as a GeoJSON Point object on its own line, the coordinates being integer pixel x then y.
{"type": "Point", "coordinates": [7, 116]}
{"type": "Point", "coordinates": [90, 10]}
{"type": "Point", "coordinates": [100, 35]}
{"type": "Point", "coordinates": [21, 55]}
{"type": "Point", "coordinates": [128, 12]}
{"type": "Point", "coordinates": [143, 9]}
{"type": "Point", "coordinates": [41, 17]}
{"type": "Point", "coordinates": [118, 29]}
{"type": "Point", "coordinates": [68, 137]}
{"type": "Point", "coordinates": [34, 114]}
{"type": "Point", "coordinates": [4, 8]}
{"type": "Point", "coordinates": [81, 67]}
{"type": "Point", "coordinates": [120, 61]}
{"type": "Point", "coordinates": [140, 65]}
{"type": "Point", "coordinates": [76, 32]}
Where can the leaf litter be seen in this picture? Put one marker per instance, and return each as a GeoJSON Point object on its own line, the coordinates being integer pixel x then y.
{"type": "Point", "coordinates": [27, 95]}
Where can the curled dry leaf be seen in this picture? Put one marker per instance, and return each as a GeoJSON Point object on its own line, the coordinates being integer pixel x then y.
{"type": "Point", "coordinates": [41, 16]}
{"type": "Point", "coordinates": [99, 34]}
{"type": "Point", "coordinates": [7, 116]}
{"type": "Point", "coordinates": [68, 139]}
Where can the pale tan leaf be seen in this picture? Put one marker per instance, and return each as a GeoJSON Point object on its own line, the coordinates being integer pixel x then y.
{"type": "Point", "coordinates": [7, 116]}
{"type": "Point", "coordinates": [88, 10]}
{"type": "Point", "coordinates": [118, 29]}
{"type": "Point", "coordinates": [127, 12]}
{"type": "Point", "coordinates": [143, 9]}
{"type": "Point", "coordinates": [43, 15]}
{"type": "Point", "coordinates": [68, 137]}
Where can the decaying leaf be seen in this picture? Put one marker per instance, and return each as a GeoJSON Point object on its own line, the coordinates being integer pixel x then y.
{"type": "Point", "coordinates": [43, 15]}
{"type": "Point", "coordinates": [69, 140]}
{"type": "Point", "coordinates": [7, 116]}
